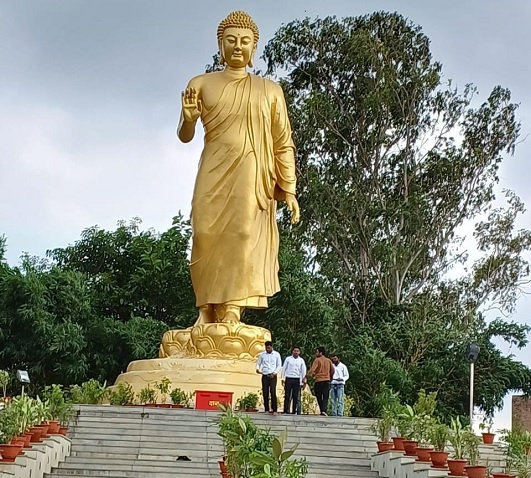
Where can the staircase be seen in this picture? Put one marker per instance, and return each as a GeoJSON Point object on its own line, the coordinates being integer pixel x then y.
{"type": "Point", "coordinates": [138, 442]}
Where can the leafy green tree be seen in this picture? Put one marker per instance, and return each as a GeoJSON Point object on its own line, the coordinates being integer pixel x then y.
{"type": "Point", "coordinates": [393, 161]}
{"type": "Point", "coordinates": [302, 313]}
{"type": "Point", "coordinates": [135, 273]}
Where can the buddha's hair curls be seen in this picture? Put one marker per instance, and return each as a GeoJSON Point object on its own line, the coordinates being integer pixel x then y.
{"type": "Point", "coordinates": [238, 19]}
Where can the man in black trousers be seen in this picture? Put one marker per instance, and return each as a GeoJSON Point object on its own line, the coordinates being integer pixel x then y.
{"type": "Point", "coordinates": [293, 377]}
{"type": "Point", "coordinates": [269, 364]}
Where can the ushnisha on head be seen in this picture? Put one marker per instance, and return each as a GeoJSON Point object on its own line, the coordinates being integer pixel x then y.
{"type": "Point", "coordinates": [237, 39]}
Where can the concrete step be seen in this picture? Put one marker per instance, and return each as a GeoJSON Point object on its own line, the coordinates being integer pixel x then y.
{"type": "Point", "coordinates": [88, 411]}
{"type": "Point", "coordinates": [143, 442]}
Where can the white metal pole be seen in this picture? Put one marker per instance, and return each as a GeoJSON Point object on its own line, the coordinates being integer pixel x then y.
{"type": "Point", "coordinates": [471, 392]}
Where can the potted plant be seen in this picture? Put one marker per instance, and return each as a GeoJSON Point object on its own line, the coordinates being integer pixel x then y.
{"type": "Point", "coordinates": [179, 398]}
{"type": "Point", "coordinates": [122, 394]}
{"type": "Point", "coordinates": [164, 388]}
{"type": "Point", "coordinates": [147, 396]}
{"type": "Point", "coordinates": [55, 399]}
{"type": "Point", "coordinates": [486, 428]}
{"type": "Point", "coordinates": [439, 434]}
{"type": "Point", "coordinates": [382, 428]}
{"type": "Point", "coordinates": [405, 429]}
{"type": "Point", "coordinates": [457, 439]}
{"type": "Point", "coordinates": [518, 462]}
{"type": "Point", "coordinates": [42, 415]}
{"type": "Point", "coordinates": [420, 432]}
{"type": "Point", "coordinates": [4, 380]}
{"type": "Point", "coordinates": [8, 429]}
{"type": "Point", "coordinates": [248, 403]}
{"type": "Point", "coordinates": [91, 392]}
{"type": "Point", "coordinates": [471, 449]}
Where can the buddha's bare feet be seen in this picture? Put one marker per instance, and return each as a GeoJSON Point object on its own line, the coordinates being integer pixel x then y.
{"type": "Point", "coordinates": [206, 315]}
{"type": "Point", "coordinates": [232, 314]}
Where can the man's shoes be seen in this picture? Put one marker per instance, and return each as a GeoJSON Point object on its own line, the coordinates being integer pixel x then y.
{"type": "Point", "coordinates": [274, 413]}
{"type": "Point", "coordinates": [324, 414]}
{"type": "Point", "coordinates": [271, 412]}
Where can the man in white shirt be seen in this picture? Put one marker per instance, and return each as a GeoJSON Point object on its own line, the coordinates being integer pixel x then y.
{"type": "Point", "coordinates": [269, 365]}
{"type": "Point", "coordinates": [294, 375]}
{"type": "Point", "coordinates": [337, 390]}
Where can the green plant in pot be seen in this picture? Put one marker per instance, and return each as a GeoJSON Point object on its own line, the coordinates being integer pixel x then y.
{"type": "Point", "coordinates": [486, 429]}
{"type": "Point", "coordinates": [179, 398]}
{"type": "Point", "coordinates": [420, 433]}
{"type": "Point", "coordinates": [91, 392]}
{"type": "Point", "coordinates": [4, 381]}
{"type": "Point", "coordinates": [25, 416]}
{"type": "Point", "coordinates": [147, 396]}
{"type": "Point", "coordinates": [241, 440]}
{"type": "Point", "coordinates": [164, 388]}
{"type": "Point", "coordinates": [9, 427]}
{"type": "Point", "coordinates": [471, 450]}
{"type": "Point", "coordinates": [248, 402]}
{"type": "Point", "coordinates": [405, 428]}
{"type": "Point", "coordinates": [438, 436]}
{"type": "Point", "coordinates": [518, 442]}
{"type": "Point", "coordinates": [55, 398]}
{"type": "Point", "coordinates": [277, 463]}
{"type": "Point", "coordinates": [457, 440]}
{"type": "Point", "coordinates": [122, 394]}
{"type": "Point", "coordinates": [382, 429]}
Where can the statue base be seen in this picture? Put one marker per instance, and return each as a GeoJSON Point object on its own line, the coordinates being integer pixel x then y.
{"type": "Point", "coordinates": [218, 357]}
{"type": "Point", "coordinates": [191, 374]}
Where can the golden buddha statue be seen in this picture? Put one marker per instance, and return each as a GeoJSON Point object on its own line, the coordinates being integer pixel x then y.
{"type": "Point", "coordinates": [247, 165]}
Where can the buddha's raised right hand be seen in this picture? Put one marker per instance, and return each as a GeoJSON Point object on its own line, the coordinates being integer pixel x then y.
{"type": "Point", "coordinates": [191, 105]}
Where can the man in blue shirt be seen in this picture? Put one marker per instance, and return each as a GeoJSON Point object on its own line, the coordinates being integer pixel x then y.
{"type": "Point", "coordinates": [269, 365]}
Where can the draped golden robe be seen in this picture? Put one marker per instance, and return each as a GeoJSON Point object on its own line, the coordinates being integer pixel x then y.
{"type": "Point", "coordinates": [247, 164]}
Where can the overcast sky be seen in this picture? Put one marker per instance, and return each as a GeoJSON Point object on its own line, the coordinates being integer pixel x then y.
{"type": "Point", "coordinates": [90, 98]}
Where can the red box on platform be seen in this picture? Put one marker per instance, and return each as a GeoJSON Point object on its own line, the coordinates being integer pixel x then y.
{"type": "Point", "coordinates": [205, 400]}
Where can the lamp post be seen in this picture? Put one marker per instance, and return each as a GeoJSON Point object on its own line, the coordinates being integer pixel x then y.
{"type": "Point", "coordinates": [472, 352]}
{"type": "Point", "coordinates": [23, 378]}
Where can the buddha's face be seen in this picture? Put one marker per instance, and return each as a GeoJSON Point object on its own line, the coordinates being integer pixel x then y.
{"type": "Point", "coordinates": [237, 46]}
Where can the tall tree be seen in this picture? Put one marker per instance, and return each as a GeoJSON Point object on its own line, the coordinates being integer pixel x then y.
{"type": "Point", "coordinates": [393, 161]}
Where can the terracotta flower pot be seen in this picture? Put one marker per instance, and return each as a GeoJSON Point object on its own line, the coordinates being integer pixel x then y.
{"type": "Point", "coordinates": [423, 453]}
{"type": "Point", "coordinates": [10, 452]}
{"type": "Point", "coordinates": [457, 467]}
{"type": "Point", "coordinates": [385, 445]}
{"type": "Point", "coordinates": [410, 446]}
{"type": "Point", "coordinates": [488, 438]}
{"type": "Point", "coordinates": [502, 475]}
{"type": "Point", "coordinates": [164, 405]}
{"type": "Point", "coordinates": [398, 442]}
{"type": "Point", "coordinates": [27, 440]}
{"type": "Point", "coordinates": [63, 431]}
{"type": "Point", "coordinates": [18, 441]}
{"type": "Point", "coordinates": [44, 427]}
{"type": "Point", "coordinates": [151, 405]}
{"type": "Point", "coordinates": [438, 459]}
{"type": "Point", "coordinates": [53, 427]}
{"type": "Point", "coordinates": [476, 471]}
{"type": "Point", "coordinates": [177, 405]}
{"type": "Point", "coordinates": [36, 434]}
{"type": "Point", "coordinates": [223, 466]}
{"type": "Point", "coordinates": [251, 410]}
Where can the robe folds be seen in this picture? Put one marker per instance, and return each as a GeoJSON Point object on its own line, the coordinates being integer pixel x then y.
{"type": "Point", "coordinates": [247, 164]}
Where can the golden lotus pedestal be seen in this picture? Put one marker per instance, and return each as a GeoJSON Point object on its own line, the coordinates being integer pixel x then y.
{"type": "Point", "coordinates": [219, 357]}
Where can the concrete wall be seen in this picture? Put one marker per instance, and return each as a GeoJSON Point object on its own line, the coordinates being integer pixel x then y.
{"type": "Point", "coordinates": [521, 413]}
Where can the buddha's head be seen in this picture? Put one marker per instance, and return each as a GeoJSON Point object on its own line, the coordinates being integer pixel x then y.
{"type": "Point", "coordinates": [237, 39]}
